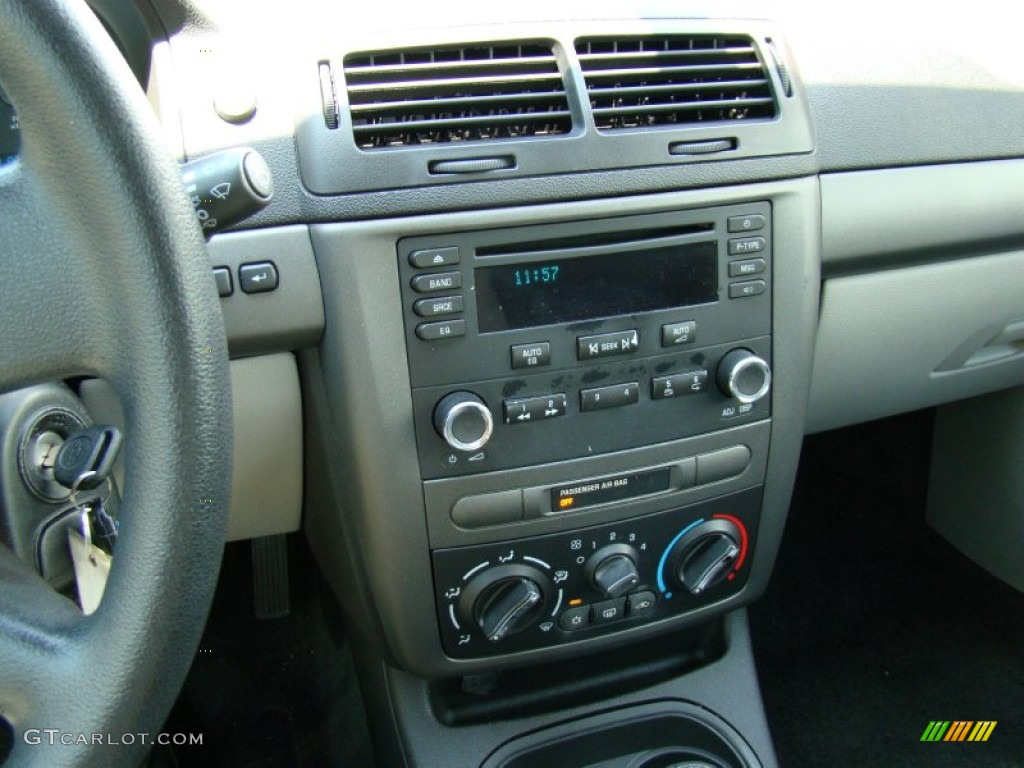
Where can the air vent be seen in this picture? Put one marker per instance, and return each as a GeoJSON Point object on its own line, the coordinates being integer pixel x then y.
{"type": "Point", "coordinates": [645, 82]}
{"type": "Point", "coordinates": [455, 95]}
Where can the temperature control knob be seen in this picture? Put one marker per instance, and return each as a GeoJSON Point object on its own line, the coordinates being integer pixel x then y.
{"type": "Point", "coordinates": [612, 570]}
{"type": "Point", "coordinates": [504, 600]}
{"type": "Point", "coordinates": [744, 376]}
{"type": "Point", "coordinates": [464, 421]}
{"type": "Point", "coordinates": [705, 555]}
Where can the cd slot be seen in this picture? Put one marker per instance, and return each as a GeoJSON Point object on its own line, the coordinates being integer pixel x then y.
{"type": "Point", "coordinates": [593, 239]}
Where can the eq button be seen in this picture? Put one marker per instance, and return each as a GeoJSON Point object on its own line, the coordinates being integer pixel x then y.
{"type": "Point", "coordinates": [445, 330]}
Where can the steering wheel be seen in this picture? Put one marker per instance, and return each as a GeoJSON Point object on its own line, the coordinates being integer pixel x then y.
{"type": "Point", "coordinates": [103, 272]}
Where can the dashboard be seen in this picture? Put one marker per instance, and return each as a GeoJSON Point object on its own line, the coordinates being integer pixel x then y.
{"type": "Point", "coordinates": [556, 296]}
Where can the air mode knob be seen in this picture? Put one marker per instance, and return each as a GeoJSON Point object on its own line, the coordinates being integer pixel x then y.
{"type": "Point", "coordinates": [744, 376]}
{"type": "Point", "coordinates": [504, 600]}
{"type": "Point", "coordinates": [464, 421]}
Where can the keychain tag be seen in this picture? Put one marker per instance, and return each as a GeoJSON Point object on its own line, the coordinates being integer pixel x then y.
{"type": "Point", "coordinates": [92, 567]}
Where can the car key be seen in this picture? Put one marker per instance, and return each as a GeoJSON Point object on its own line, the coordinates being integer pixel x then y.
{"type": "Point", "coordinates": [87, 457]}
{"type": "Point", "coordinates": [91, 562]}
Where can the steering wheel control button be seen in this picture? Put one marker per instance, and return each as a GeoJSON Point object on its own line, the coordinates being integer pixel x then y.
{"type": "Point", "coordinates": [464, 421]}
{"type": "Point", "coordinates": [575, 619]}
{"type": "Point", "coordinates": [676, 334]}
{"type": "Point", "coordinates": [751, 223]}
{"type": "Point", "coordinates": [258, 277]}
{"type": "Point", "coordinates": [599, 398]}
{"type": "Point", "coordinates": [486, 509]}
{"type": "Point", "coordinates": [747, 267]}
{"type": "Point", "coordinates": [443, 305]}
{"type": "Point", "coordinates": [747, 288]}
{"type": "Point", "coordinates": [441, 281]}
{"type": "Point", "coordinates": [434, 257]}
{"type": "Point", "coordinates": [527, 410]}
{"type": "Point", "coordinates": [676, 385]}
{"type": "Point", "coordinates": [722, 465]}
{"type": "Point", "coordinates": [741, 246]}
{"type": "Point", "coordinates": [641, 604]}
{"type": "Point", "coordinates": [225, 285]}
{"type": "Point", "coordinates": [609, 611]}
{"type": "Point", "coordinates": [448, 329]}
{"type": "Point", "coordinates": [531, 355]}
{"type": "Point", "coordinates": [607, 345]}
{"type": "Point", "coordinates": [744, 376]}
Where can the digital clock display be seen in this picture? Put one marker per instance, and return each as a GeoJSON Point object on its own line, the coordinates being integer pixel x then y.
{"type": "Point", "coordinates": [567, 290]}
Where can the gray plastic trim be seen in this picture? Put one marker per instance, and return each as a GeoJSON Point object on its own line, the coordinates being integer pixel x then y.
{"type": "Point", "coordinates": [365, 408]}
{"type": "Point", "coordinates": [331, 163]}
{"type": "Point", "coordinates": [886, 340]}
{"type": "Point", "coordinates": [266, 480]}
{"type": "Point", "coordinates": [408, 734]}
{"type": "Point", "coordinates": [976, 490]}
{"type": "Point", "coordinates": [290, 317]}
{"type": "Point", "coordinates": [874, 219]}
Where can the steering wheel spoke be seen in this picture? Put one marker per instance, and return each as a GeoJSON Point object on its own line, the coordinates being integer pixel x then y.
{"type": "Point", "coordinates": [103, 272]}
{"type": "Point", "coordinates": [53, 327]}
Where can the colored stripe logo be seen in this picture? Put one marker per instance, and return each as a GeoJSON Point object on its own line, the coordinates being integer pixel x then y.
{"type": "Point", "coordinates": [958, 730]}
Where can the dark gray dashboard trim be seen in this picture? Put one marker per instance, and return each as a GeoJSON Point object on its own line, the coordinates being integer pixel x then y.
{"type": "Point", "coordinates": [367, 422]}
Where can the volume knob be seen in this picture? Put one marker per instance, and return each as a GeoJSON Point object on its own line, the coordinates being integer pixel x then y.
{"type": "Point", "coordinates": [464, 421]}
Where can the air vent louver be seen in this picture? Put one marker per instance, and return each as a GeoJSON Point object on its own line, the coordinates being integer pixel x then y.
{"type": "Point", "coordinates": [456, 94]}
{"type": "Point", "coordinates": [642, 82]}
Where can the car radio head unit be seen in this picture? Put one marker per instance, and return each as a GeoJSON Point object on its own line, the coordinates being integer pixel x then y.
{"type": "Point", "coordinates": [535, 344]}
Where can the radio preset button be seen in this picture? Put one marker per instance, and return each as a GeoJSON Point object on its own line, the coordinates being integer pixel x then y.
{"type": "Point", "coordinates": [441, 281]}
{"type": "Point", "coordinates": [679, 384]}
{"type": "Point", "coordinates": [747, 288]}
{"type": "Point", "coordinates": [443, 330]}
{"type": "Point", "coordinates": [607, 344]}
{"type": "Point", "coordinates": [747, 267]}
{"type": "Point", "coordinates": [443, 305]}
{"type": "Point", "coordinates": [435, 257]}
{"type": "Point", "coordinates": [529, 409]}
{"type": "Point", "coordinates": [531, 355]}
{"type": "Point", "coordinates": [678, 333]}
{"type": "Point", "coordinates": [744, 245]}
{"type": "Point", "coordinates": [616, 395]}
{"type": "Point", "coordinates": [749, 223]}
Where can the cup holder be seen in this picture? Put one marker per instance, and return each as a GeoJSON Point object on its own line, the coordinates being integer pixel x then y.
{"type": "Point", "coordinates": [664, 734]}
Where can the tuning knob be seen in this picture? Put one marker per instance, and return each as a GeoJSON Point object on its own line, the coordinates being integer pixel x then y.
{"type": "Point", "coordinates": [464, 421]}
{"type": "Point", "coordinates": [705, 555]}
{"type": "Point", "coordinates": [504, 600]}
{"type": "Point", "coordinates": [744, 376]}
{"type": "Point", "coordinates": [612, 570]}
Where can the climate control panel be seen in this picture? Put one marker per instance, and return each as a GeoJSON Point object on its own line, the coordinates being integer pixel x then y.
{"type": "Point", "coordinates": [504, 597]}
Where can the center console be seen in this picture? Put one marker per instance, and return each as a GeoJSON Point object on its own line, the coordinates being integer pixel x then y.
{"type": "Point", "coordinates": [554, 443]}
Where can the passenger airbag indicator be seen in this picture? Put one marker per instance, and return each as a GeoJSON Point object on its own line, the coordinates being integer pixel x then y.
{"type": "Point", "coordinates": [608, 489]}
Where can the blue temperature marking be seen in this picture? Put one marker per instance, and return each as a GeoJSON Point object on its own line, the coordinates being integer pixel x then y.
{"type": "Point", "coordinates": [664, 557]}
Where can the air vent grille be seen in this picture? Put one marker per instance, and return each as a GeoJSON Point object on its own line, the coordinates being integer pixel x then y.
{"type": "Point", "coordinates": [643, 82]}
{"type": "Point", "coordinates": [457, 94]}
